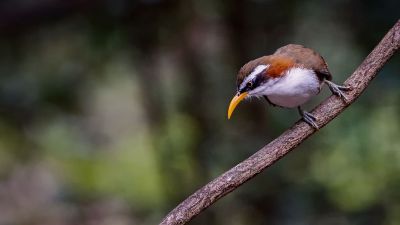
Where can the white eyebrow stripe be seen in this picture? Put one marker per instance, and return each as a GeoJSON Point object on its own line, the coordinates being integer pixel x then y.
{"type": "Point", "coordinates": [256, 71]}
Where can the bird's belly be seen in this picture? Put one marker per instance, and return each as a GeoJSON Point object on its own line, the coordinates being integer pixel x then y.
{"type": "Point", "coordinates": [290, 101]}
{"type": "Point", "coordinates": [295, 89]}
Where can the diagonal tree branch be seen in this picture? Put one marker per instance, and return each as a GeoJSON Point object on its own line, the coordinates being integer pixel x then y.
{"type": "Point", "coordinates": [290, 139]}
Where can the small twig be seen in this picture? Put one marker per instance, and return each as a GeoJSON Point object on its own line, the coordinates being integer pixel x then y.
{"type": "Point", "coordinates": [290, 139]}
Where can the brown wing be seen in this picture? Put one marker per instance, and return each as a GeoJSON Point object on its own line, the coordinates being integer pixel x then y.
{"type": "Point", "coordinates": [307, 57]}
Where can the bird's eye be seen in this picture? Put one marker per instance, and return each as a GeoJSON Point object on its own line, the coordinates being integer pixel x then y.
{"type": "Point", "coordinates": [249, 84]}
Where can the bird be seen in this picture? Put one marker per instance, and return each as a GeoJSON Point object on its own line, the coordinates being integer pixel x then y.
{"type": "Point", "coordinates": [288, 78]}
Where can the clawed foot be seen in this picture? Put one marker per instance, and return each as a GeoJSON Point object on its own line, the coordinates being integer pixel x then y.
{"type": "Point", "coordinates": [308, 118]}
{"type": "Point", "coordinates": [337, 89]}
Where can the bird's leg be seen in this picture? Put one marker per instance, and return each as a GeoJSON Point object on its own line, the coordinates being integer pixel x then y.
{"type": "Point", "coordinates": [308, 118]}
{"type": "Point", "coordinates": [266, 98]}
{"type": "Point", "coordinates": [337, 89]}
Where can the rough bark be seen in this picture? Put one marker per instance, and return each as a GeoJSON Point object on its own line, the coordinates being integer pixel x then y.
{"type": "Point", "coordinates": [290, 139]}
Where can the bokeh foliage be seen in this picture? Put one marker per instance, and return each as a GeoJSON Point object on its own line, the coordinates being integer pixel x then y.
{"type": "Point", "coordinates": [112, 112]}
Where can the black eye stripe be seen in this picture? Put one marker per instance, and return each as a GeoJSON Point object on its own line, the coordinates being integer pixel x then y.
{"type": "Point", "coordinates": [258, 80]}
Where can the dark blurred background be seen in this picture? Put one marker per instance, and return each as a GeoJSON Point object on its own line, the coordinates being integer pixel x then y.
{"type": "Point", "coordinates": [114, 111]}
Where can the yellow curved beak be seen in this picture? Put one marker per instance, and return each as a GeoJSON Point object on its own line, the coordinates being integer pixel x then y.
{"type": "Point", "coordinates": [234, 102]}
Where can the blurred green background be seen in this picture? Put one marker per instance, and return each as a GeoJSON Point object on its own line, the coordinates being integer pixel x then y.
{"type": "Point", "coordinates": [114, 111]}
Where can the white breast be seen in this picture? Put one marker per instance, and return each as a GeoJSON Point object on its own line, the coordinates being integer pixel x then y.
{"type": "Point", "coordinates": [292, 89]}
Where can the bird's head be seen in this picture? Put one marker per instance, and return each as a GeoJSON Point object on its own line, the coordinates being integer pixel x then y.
{"type": "Point", "coordinates": [255, 77]}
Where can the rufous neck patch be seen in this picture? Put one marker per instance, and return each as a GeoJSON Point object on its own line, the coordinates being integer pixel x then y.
{"type": "Point", "coordinates": [278, 66]}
